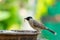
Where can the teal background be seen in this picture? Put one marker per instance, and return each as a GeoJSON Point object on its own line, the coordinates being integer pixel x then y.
{"type": "Point", "coordinates": [52, 11]}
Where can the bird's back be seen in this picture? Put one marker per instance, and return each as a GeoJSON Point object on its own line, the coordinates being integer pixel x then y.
{"type": "Point", "coordinates": [36, 24]}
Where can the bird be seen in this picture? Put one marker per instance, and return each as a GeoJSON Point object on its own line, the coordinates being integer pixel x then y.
{"type": "Point", "coordinates": [38, 25]}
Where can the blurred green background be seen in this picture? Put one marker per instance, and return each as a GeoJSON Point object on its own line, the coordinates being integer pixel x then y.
{"type": "Point", "coordinates": [13, 12]}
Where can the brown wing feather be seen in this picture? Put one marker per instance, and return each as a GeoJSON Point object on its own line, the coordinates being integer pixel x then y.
{"type": "Point", "coordinates": [38, 24]}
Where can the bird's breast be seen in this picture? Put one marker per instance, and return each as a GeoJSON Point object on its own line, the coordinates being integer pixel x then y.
{"type": "Point", "coordinates": [31, 24]}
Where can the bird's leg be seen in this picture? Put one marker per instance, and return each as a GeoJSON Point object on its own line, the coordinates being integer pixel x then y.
{"type": "Point", "coordinates": [38, 30]}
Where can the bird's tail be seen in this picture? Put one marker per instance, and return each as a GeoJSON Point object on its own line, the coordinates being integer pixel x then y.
{"type": "Point", "coordinates": [52, 31]}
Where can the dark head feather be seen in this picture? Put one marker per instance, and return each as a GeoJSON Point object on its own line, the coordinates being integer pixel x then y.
{"type": "Point", "coordinates": [28, 18]}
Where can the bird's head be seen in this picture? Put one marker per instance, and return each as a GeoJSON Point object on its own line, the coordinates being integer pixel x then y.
{"type": "Point", "coordinates": [28, 18]}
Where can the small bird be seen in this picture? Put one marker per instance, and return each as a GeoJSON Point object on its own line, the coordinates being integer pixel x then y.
{"type": "Point", "coordinates": [37, 25]}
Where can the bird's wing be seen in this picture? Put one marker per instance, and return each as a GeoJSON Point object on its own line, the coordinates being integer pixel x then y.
{"type": "Point", "coordinates": [38, 24]}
